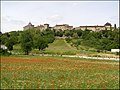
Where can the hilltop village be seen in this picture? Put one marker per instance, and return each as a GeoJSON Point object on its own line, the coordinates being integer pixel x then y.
{"type": "Point", "coordinates": [96, 28]}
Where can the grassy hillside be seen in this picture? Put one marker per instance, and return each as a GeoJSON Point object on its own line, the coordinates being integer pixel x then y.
{"type": "Point", "coordinates": [61, 46]}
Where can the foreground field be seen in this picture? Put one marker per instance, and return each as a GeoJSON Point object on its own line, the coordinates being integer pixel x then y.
{"type": "Point", "coordinates": [58, 73]}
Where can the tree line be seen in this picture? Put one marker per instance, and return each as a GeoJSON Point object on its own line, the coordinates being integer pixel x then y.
{"type": "Point", "coordinates": [103, 40]}
{"type": "Point", "coordinates": [36, 39]}
{"type": "Point", "coordinates": [29, 39]}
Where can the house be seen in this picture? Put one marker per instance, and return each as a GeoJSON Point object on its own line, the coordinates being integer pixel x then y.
{"type": "Point", "coordinates": [115, 50]}
{"type": "Point", "coordinates": [3, 47]}
{"type": "Point", "coordinates": [96, 28]}
{"type": "Point", "coordinates": [29, 26]}
{"type": "Point", "coordinates": [63, 27]}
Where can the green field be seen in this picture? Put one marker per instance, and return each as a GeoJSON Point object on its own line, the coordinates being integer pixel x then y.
{"type": "Point", "coordinates": [60, 46]}
{"type": "Point", "coordinates": [35, 72]}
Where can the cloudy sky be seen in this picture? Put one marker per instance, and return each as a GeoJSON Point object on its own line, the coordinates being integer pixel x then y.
{"type": "Point", "coordinates": [16, 14]}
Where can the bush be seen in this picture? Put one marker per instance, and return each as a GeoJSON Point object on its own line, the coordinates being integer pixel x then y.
{"type": "Point", "coordinates": [68, 53]}
{"type": "Point", "coordinates": [48, 52]}
{"type": "Point", "coordinates": [68, 40]}
{"type": "Point", "coordinates": [118, 53]}
{"type": "Point", "coordinates": [4, 52]}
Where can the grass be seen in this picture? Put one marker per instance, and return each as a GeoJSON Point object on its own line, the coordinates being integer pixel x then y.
{"type": "Point", "coordinates": [17, 49]}
{"type": "Point", "coordinates": [61, 46]}
{"type": "Point", "coordinates": [36, 72]}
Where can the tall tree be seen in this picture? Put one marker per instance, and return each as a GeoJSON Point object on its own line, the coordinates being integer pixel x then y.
{"type": "Point", "coordinates": [10, 42]}
{"type": "Point", "coordinates": [39, 42]}
{"type": "Point", "coordinates": [26, 42]}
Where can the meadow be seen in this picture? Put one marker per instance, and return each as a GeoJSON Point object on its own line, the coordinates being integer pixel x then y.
{"type": "Point", "coordinates": [38, 72]}
{"type": "Point", "coordinates": [61, 47]}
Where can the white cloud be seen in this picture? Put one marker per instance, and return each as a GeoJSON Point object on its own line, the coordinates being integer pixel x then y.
{"type": "Point", "coordinates": [55, 18]}
{"type": "Point", "coordinates": [9, 23]}
{"type": "Point", "coordinates": [11, 20]}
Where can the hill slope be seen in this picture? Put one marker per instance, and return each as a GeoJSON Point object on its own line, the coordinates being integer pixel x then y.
{"type": "Point", "coordinates": [61, 46]}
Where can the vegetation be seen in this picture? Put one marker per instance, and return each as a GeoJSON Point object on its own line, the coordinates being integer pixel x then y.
{"type": "Point", "coordinates": [4, 52]}
{"type": "Point", "coordinates": [29, 72]}
{"type": "Point", "coordinates": [37, 72]}
{"type": "Point", "coordinates": [42, 40]}
{"type": "Point", "coordinates": [59, 46]}
{"type": "Point", "coordinates": [103, 40]}
{"type": "Point", "coordinates": [26, 42]}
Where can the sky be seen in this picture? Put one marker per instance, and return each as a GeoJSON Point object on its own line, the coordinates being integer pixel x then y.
{"type": "Point", "coordinates": [17, 14]}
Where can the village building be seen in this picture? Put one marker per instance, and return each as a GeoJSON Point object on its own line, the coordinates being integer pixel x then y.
{"type": "Point", "coordinates": [115, 50]}
{"type": "Point", "coordinates": [29, 26]}
{"type": "Point", "coordinates": [93, 28]}
{"type": "Point", "coordinates": [42, 27]}
{"type": "Point", "coordinates": [108, 26]}
{"type": "Point", "coordinates": [39, 27]}
{"type": "Point", "coordinates": [63, 27]}
{"type": "Point", "coordinates": [3, 47]}
{"type": "Point", "coordinates": [96, 28]}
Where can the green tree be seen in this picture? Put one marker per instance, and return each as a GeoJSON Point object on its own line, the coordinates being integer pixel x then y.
{"type": "Point", "coordinates": [26, 42]}
{"type": "Point", "coordinates": [67, 33]}
{"type": "Point", "coordinates": [3, 39]}
{"type": "Point", "coordinates": [75, 35]}
{"type": "Point", "coordinates": [48, 35]}
{"type": "Point", "coordinates": [40, 42]}
{"type": "Point", "coordinates": [79, 32]}
{"type": "Point", "coordinates": [12, 40]}
{"type": "Point", "coordinates": [10, 43]}
{"type": "Point", "coordinates": [59, 33]}
{"type": "Point", "coordinates": [68, 39]}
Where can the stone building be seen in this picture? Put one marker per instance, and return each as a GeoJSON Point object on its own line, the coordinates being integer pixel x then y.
{"type": "Point", "coordinates": [96, 28]}
{"type": "Point", "coordinates": [108, 26]}
{"type": "Point", "coordinates": [39, 27]}
{"type": "Point", "coordinates": [42, 27]}
{"type": "Point", "coordinates": [63, 27]}
{"type": "Point", "coordinates": [29, 26]}
{"type": "Point", "coordinates": [46, 26]}
{"type": "Point", "coordinates": [93, 28]}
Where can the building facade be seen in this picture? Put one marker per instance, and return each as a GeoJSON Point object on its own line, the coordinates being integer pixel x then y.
{"type": "Point", "coordinates": [96, 28]}
{"type": "Point", "coordinates": [63, 27]}
{"type": "Point", "coordinates": [29, 26]}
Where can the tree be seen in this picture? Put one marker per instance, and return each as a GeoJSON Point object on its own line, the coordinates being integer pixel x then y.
{"type": "Point", "coordinates": [59, 33]}
{"type": "Point", "coordinates": [67, 33]}
{"type": "Point", "coordinates": [40, 42]}
{"type": "Point", "coordinates": [26, 42]}
{"type": "Point", "coordinates": [68, 39]}
{"type": "Point", "coordinates": [10, 44]}
{"type": "Point", "coordinates": [49, 36]}
{"type": "Point", "coordinates": [12, 40]}
{"type": "Point", "coordinates": [75, 35]}
{"type": "Point", "coordinates": [3, 39]}
{"type": "Point", "coordinates": [79, 32]}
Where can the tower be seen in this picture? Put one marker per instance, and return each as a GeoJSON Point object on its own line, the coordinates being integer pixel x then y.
{"type": "Point", "coordinates": [46, 26]}
{"type": "Point", "coordinates": [115, 26]}
{"type": "Point", "coordinates": [108, 26]}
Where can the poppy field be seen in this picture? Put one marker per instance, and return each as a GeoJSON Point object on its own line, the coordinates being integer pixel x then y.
{"type": "Point", "coordinates": [58, 73]}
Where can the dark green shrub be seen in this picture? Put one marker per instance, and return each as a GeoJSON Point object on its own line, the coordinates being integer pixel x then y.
{"type": "Point", "coordinates": [4, 52]}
